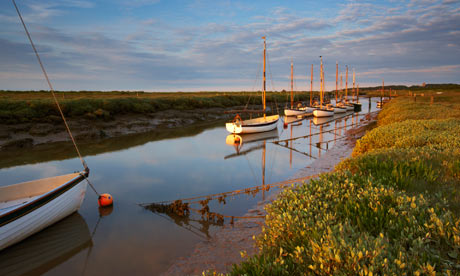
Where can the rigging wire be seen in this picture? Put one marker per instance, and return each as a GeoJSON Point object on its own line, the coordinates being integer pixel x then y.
{"type": "Point", "coordinates": [271, 82]}
{"type": "Point", "coordinates": [51, 87]}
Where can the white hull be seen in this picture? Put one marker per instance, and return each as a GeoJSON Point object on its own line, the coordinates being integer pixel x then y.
{"type": "Point", "coordinates": [261, 124]}
{"type": "Point", "coordinates": [294, 112]}
{"type": "Point", "coordinates": [323, 113]}
{"type": "Point", "coordinates": [43, 216]}
{"type": "Point", "coordinates": [47, 249]}
{"type": "Point", "coordinates": [339, 109]}
{"type": "Point", "coordinates": [350, 107]}
{"type": "Point", "coordinates": [308, 109]}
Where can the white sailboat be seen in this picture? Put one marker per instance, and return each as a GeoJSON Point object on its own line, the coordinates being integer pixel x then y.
{"type": "Point", "coordinates": [322, 111]}
{"type": "Point", "coordinates": [293, 111]}
{"type": "Point", "coordinates": [261, 124]}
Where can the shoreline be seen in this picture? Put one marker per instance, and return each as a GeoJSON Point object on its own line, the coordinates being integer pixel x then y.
{"type": "Point", "coordinates": [223, 249]}
{"type": "Point", "coordinates": [28, 135]}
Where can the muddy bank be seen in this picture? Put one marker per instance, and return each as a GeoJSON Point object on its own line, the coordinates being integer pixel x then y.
{"type": "Point", "coordinates": [27, 135]}
{"type": "Point", "coordinates": [223, 249]}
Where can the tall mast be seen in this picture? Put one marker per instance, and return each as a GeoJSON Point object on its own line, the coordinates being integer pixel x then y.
{"type": "Point", "coordinates": [321, 83]}
{"type": "Point", "coordinates": [336, 81]}
{"type": "Point", "coordinates": [357, 94]}
{"type": "Point", "coordinates": [311, 86]}
{"type": "Point", "coordinates": [292, 84]}
{"type": "Point", "coordinates": [341, 87]}
{"type": "Point", "coordinates": [354, 90]}
{"type": "Point", "coordinates": [263, 94]}
{"type": "Point", "coordinates": [346, 85]}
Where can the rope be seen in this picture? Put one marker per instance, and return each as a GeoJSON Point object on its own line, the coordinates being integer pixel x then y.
{"type": "Point", "coordinates": [195, 199]}
{"type": "Point", "coordinates": [50, 86]}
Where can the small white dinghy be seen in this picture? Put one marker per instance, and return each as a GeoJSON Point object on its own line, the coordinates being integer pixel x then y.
{"type": "Point", "coordinates": [29, 207]}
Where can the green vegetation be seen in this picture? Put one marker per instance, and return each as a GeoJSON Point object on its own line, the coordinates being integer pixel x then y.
{"type": "Point", "coordinates": [17, 107]}
{"type": "Point", "coordinates": [391, 209]}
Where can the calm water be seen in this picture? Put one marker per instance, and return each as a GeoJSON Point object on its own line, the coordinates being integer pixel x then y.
{"type": "Point", "coordinates": [150, 168]}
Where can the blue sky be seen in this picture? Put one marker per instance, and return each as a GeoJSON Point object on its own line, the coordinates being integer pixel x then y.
{"type": "Point", "coordinates": [200, 45]}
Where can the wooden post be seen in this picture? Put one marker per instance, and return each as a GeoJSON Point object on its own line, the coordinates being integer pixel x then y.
{"type": "Point", "coordinates": [432, 100]}
{"type": "Point", "coordinates": [415, 97]}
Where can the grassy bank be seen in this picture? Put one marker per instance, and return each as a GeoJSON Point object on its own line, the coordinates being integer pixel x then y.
{"type": "Point", "coordinates": [38, 106]}
{"type": "Point", "coordinates": [391, 209]}
{"type": "Point", "coordinates": [17, 107]}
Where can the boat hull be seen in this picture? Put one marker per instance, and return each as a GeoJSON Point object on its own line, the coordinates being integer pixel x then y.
{"type": "Point", "coordinates": [323, 113]}
{"type": "Point", "coordinates": [294, 112]}
{"type": "Point", "coordinates": [43, 211]}
{"type": "Point", "coordinates": [338, 109]}
{"type": "Point", "coordinates": [261, 124]}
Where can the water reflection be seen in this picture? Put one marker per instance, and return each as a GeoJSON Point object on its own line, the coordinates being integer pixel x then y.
{"type": "Point", "coordinates": [148, 169]}
{"type": "Point", "coordinates": [47, 249]}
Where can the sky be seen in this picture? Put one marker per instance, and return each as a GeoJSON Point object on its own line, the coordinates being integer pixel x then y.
{"type": "Point", "coordinates": [201, 45]}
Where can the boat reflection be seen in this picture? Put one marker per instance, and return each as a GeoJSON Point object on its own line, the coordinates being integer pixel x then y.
{"type": "Point", "coordinates": [47, 249]}
{"type": "Point", "coordinates": [238, 140]}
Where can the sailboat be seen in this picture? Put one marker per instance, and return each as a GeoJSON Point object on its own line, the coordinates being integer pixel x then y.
{"type": "Point", "coordinates": [339, 107]}
{"type": "Point", "coordinates": [27, 208]}
{"type": "Point", "coordinates": [261, 124]}
{"type": "Point", "coordinates": [322, 111]}
{"type": "Point", "coordinates": [347, 104]}
{"type": "Point", "coordinates": [293, 111]}
{"type": "Point", "coordinates": [356, 103]}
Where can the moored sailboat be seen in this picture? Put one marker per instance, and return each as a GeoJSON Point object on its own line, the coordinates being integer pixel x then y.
{"type": "Point", "coordinates": [322, 111]}
{"type": "Point", "coordinates": [293, 111]}
{"type": "Point", "coordinates": [261, 124]}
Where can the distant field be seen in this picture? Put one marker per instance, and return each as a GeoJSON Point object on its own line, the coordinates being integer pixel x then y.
{"type": "Point", "coordinates": [30, 106]}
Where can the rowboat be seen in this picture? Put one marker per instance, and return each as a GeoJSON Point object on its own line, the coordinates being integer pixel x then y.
{"type": "Point", "coordinates": [28, 207]}
{"type": "Point", "coordinates": [44, 251]}
{"type": "Point", "coordinates": [261, 124]}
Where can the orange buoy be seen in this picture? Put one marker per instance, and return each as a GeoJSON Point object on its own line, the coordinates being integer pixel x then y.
{"type": "Point", "coordinates": [105, 200]}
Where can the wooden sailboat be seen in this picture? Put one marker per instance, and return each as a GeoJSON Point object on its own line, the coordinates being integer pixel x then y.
{"type": "Point", "coordinates": [310, 108]}
{"type": "Point", "coordinates": [339, 107]}
{"type": "Point", "coordinates": [261, 124]}
{"type": "Point", "coordinates": [356, 103]}
{"type": "Point", "coordinates": [347, 104]}
{"type": "Point", "coordinates": [29, 207]}
{"type": "Point", "coordinates": [322, 111]}
{"type": "Point", "coordinates": [293, 111]}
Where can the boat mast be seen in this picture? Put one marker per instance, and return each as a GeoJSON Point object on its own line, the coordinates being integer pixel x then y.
{"type": "Point", "coordinates": [336, 81]}
{"type": "Point", "coordinates": [311, 86]}
{"type": "Point", "coordinates": [383, 90]}
{"type": "Point", "coordinates": [321, 83]}
{"type": "Point", "coordinates": [346, 84]}
{"type": "Point", "coordinates": [292, 84]}
{"type": "Point", "coordinates": [357, 94]}
{"type": "Point", "coordinates": [341, 87]}
{"type": "Point", "coordinates": [354, 90]}
{"type": "Point", "coordinates": [263, 94]}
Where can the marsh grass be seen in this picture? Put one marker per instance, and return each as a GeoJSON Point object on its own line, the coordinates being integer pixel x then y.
{"type": "Point", "coordinates": [391, 209]}
{"type": "Point", "coordinates": [19, 107]}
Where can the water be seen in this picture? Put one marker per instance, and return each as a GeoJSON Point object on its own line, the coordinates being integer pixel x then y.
{"type": "Point", "coordinates": [129, 239]}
